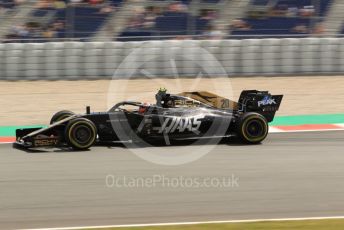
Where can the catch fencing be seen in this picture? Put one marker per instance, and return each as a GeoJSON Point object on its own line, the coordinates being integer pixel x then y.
{"type": "Point", "coordinates": [168, 58]}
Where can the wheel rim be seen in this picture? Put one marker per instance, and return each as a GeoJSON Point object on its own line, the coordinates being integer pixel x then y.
{"type": "Point", "coordinates": [82, 134]}
{"type": "Point", "coordinates": [255, 129]}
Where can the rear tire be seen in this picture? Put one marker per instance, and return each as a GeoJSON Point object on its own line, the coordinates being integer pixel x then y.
{"type": "Point", "coordinates": [80, 133]}
{"type": "Point", "coordinates": [252, 128]}
{"type": "Point", "coordinates": [61, 115]}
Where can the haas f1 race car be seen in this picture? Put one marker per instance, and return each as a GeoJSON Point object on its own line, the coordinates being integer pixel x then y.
{"type": "Point", "coordinates": [183, 116]}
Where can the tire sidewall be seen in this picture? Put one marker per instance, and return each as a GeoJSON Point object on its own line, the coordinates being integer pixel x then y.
{"type": "Point", "coordinates": [76, 123]}
{"type": "Point", "coordinates": [242, 128]}
{"type": "Point", "coordinates": [60, 116]}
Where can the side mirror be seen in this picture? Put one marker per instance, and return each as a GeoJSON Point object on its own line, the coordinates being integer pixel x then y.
{"type": "Point", "coordinates": [88, 109]}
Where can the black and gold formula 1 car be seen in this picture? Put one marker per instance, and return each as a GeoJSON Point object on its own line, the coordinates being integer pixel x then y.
{"type": "Point", "coordinates": [184, 116]}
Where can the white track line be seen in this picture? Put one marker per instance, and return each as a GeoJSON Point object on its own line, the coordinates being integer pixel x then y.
{"type": "Point", "coordinates": [340, 125]}
{"type": "Point", "coordinates": [189, 223]}
{"type": "Point", "coordinates": [273, 129]}
{"type": "Point", "coordinates": [309, 130]}
{"type": "Point", "coordinates": [276, 130]}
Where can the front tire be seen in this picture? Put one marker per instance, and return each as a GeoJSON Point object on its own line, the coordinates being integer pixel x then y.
{"type": "Point", "coordinates": [61, 115]}
{"type": "Point", "coordinates": [80, 133]}
{"type": "Point", "coordinates": [252, 128]}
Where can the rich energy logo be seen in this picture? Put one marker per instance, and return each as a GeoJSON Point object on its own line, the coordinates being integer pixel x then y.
{"type": "Point", "coordinates": [178, 124]}
{"type": "Point", "coordinates": [267, 101]}
{"type": "Point", "coordinates": [46, 142]}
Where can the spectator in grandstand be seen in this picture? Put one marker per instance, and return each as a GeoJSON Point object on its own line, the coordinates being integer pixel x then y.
{"type": "Point", "coordinates": [59, 5]}
{"type": "Point", "coordinates": [151, 20]}
{"type": "Point", "coordinates": [239, 24]}
{"type": "Point", "coordinates": [212, 33]}
{"type": "Point", "coordinates": [177, 7]}
{"type": "Point", "coordinates": [301, 29]}
{"type": "Point", "coordinates": [7, 4]}
{"type": "Point", "coordinates": [19, 31]}
{"type": "Point", "coordinates": [307, 11]}
{"type": "Point", "coordinates": [144, 17]}
{"type": "Point", "coordinates": [208, 14]}
{"type": "Point", "coordinates": [58, 25]}
{"type": "Point", "coordinates": [49, 33]}
{"type": "Point", "coordinates": [45, 4]}
{"type": "Point", "coordinates": [318, 29]}
{"type": "Point", "coordinates": [150, 15]}
{"type": "Point", "coordinates": [95, 2]}
{"type": "Point", "coordinates": [106, 8]}
{"type": "Point", "coordinates": [279, 10]}
{"type": "Point", "coordinates": [293, 11]}
{"type": "Point", "coordinates": [136, 21]}
{"type": "Point", "coordinates": [76, 1]}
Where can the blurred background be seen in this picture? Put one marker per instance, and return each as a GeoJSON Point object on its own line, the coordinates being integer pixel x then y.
{"type": "Point", "coordinates": [136, 20]}
{"type": "Point", "coordinates": [79, 39]}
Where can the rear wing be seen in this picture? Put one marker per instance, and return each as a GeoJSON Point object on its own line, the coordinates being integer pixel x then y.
{"type": "Point", "coordinates": [260, 102]}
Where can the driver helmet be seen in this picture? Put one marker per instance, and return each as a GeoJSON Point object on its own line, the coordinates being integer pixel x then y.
{"type": "Point", "coordinates": [162, 90]}
{"type": "Point", "coordinates": [160, 96]}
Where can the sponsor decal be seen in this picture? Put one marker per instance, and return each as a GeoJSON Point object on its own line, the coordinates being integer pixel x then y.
{"type": "Point", "coordinates": [179, 124]}
{"type": "Point", "coordinates": [267, 101]}
{"type": "Point", "coordinates": [45, 142]}
{"type": "Point", "coordinates": [186, 103]}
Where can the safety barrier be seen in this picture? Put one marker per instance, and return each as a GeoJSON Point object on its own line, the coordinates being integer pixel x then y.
{"type": "Point", "coordinates": [94, 60]}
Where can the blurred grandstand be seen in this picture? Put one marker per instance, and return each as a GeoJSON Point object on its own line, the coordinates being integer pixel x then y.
{"type": "Point", "coordinates": [136, 20]}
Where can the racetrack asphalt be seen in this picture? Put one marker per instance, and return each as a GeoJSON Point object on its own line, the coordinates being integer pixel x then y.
{"type": "Point", "coordinates": [289, 175]}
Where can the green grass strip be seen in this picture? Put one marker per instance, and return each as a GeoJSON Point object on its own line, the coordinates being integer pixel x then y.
{"type": "Point", "coordinates": [308, 119]}
{"type": "Point", "coordinates": [10, 131]}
